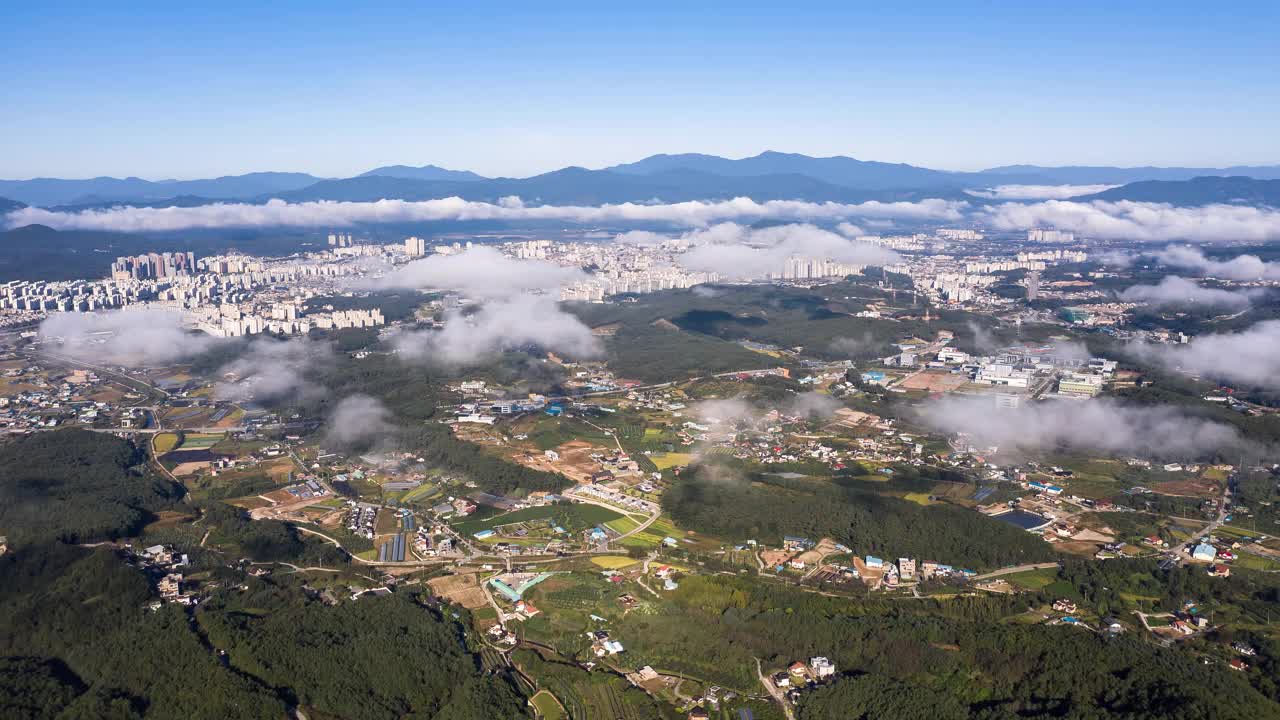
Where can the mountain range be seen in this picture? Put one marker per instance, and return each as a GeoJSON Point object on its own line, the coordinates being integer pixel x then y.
{"type": "Point", "coordinates": [666, 178]}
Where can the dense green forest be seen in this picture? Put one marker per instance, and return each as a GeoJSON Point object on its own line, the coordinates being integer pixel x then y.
{"type": "Point", "coordinates": [823, 321]}
{"type": "Point", "coordinates": [77, 642]}
{"type": "Point", "coordinates": [952, 658]}
{"type": "Point", "coordinates": [728, 503]}
{"type": "Point", "coordinates": [77, 486]}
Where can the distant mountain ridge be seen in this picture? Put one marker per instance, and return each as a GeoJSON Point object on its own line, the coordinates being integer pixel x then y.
{"type": "Point", "coordinates": [669, 178]}
{"type": "Point", "coordinates": [425, 172]}
{"type": "Point", "coordinates": [56, 191]}
{"type": "Point", "coordinates": [1086, 175]}
{"type": "Point", "coordinates": [580, 186]}
{"type": "Point", "coordinates": [838, 170]}
{"type": "Point", "coordinates": [1197, 191]}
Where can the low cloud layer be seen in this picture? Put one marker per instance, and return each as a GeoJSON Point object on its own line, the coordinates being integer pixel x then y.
{"type": "Point", "coordinates": [739, 252]}
{"type": "Point", "coordinates": [271, 369]}
{"type": "Point", "coordinates": [1174, 291]}
{"type": "Point", "coordinates": [1099, 425]}
{"type": "Point", "coordinates": [358, 420]}
{"type": "Point", "coordinates": [501, 325]}
{"type": "Point", "coordinates": [1250, 357]}
{"type": "Point", "coordinates": [133, 337]}
{"type": "Point", "coordinates": [328, 213]}
{"type": "Point", "coordinates": [1139, 221]}
{"type": "Point", "coordinates": [478, 272]}
{"type": "Point", "coordinates": [732, 411]}
{"type": "Point", "coordinates": [813, 406]}
{"type": "Point", "coordinates": [1122, 220]}
{"type": "Point", "coordinates": [1241, 267]}
{"type": "Point", "coordinates": [1038, 192]}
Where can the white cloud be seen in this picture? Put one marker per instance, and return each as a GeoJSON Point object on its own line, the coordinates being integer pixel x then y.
{"type": "Point", "coordinates": [1098, 425]}
{"type": "Point", "coordinates": [271, 369]}
{"type": "Point", "coordinates": [1138, 221]}
{"type": "Point", "coordinates": [356, 420]}
{"type": "Point", "coordinates": [736, 251]}
{"type": "Point", "coordinates": [813, 405]}
{"type": "Point", "coordinates": [1038, 192]}
{"type": "Point", "coordinates": [133, 337]}
{"type": "Point", "coordinates": [1250, 357]}
{"type": "Point", "coordinates": [1174, 291]}
{"type": "Point", "coordinates": [481, 272]}
{"type": "Point", "coordinates": [850, 230]}
{"type": "Point", "coordinates": [500, 325]}
{"type": "Point", "coordinates": [1240, 267]}
{"type": "Point", "coordinates": [643, 238]}
{"type": "Point", "coordinates": [328, 213]}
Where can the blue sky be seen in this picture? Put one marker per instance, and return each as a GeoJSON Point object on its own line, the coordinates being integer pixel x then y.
{"type": "Point", "coordinates": [333, 89]}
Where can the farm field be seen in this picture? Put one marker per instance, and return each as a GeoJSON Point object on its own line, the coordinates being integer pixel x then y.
{"type": "Point", "coordinates": [654, 534]}
{"type": "Point", "coordinates": [547, 706]}
{"type": "Point", "coordinates": [201, 441]}
{"type": "Point", "coordinates": [573, 518]}
{"type": "Point", "coordinates": [1033, 579]}
{"type": "Point", "coordinates": [670, 460]}
{"type": "Point", "coordinates": [164, 442]}
{"type": "Point", "coordinates": [612, 562]}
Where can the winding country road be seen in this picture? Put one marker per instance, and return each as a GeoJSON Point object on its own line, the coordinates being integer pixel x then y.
{"type": "Point", "coordinates": [775, 692]}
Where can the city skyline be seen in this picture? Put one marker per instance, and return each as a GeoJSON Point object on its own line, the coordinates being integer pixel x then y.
{"type": "Point", "coordinates": [160, 93]}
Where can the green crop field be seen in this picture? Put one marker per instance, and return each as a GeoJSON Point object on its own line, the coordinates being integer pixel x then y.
{"type": "Point", "coordinates": [547, 705]}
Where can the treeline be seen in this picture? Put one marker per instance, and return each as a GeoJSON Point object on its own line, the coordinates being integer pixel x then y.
{"type": "Point", "coordinates": [79, 643]}
{"type": "Point", "coordinates": [77, 486]}
{"type": "Point", "coordinates": [387, 657]}
{"type": "Point", "coordinates": [436, 445]}
{"type": "Point", "coordinates": [76, 643]}
{"type": "Point", "coordinates": [657, 354]}
{"type": "Point", "coordinates": [266, 540]}
{"type": "Point", "coordinates": [725, 502]}
{"type": "Point", "coordinates": [954, 658]}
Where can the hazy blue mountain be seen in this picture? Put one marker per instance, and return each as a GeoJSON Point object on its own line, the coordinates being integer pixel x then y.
{"type": "Point", "coordinates": [93, 202]}
{"type": "Point", "coordinates": [838, 170]}
{"type": "Point", "coordinates": [1197, 191]}
{"type": "Point", "coordinates": [579, 186]}
{"type": "Point", "coordinates": [1086, 175]}
{"type": "Point", "coordinates": [56, 191]}
{"type": "Point", "coordinates": [240, 186]}
{"type": "Point", "coordinates": [7, 205]}
{"type": "Point", "coordinates": [425, 172]}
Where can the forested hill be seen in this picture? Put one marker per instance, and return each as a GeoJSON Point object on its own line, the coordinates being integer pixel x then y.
{"type": "Point", "coordinates": [77, 486]}
{"type": "Point", "coordinates": [766, 507]}
{"type": "Point", "coordinates": [77, 643]}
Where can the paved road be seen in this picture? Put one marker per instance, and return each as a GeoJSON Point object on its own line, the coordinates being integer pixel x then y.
{"type": "Point", "coordinates": [1016, 569]}
{"type": "Point", "coordinates": [1209, 529]}
{"type": "Point", "coordinates": [775, 692]}
{"type": "Point", "coordinates": [102, 369]}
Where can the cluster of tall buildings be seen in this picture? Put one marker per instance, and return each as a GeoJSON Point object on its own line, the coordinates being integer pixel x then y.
{"type": "Point", "coordinates": [1040, 235]}
{"type": "Point", "coordinates": [67, 297]}
{"type": "Point", "coordinates": [153, 266]}
{"type": "Point", "coordinates": [807, 268]}
{"type": "Point", "coordinates": [341, 240]}
{"type": "Point", "coordinates": [991, 266]}
{"type": "Point", "coordinates": [959, 234]}
{"type": "Point", "coordinates": [231, 321]}
{"type": "Point", "coordinates": [603, 285]}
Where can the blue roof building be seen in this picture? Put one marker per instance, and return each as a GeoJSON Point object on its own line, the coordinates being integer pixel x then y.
{"type": "Point", "coordinates": [1205, 552]}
